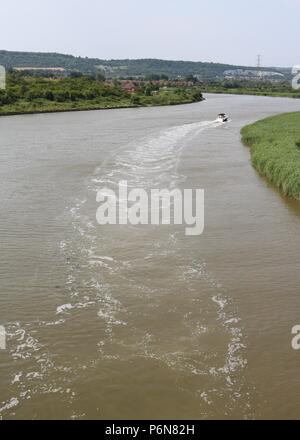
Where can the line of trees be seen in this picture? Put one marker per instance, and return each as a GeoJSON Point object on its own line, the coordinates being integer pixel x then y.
{"type": "Point", "coordinates": [29, 92]}
{"type": "Point", "coordinates": [74, 88]}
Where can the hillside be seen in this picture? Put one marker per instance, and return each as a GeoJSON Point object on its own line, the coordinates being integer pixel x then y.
{"type": "Point", "coordinates": [125, 68]}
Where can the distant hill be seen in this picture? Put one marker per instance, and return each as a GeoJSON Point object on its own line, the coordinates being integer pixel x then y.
{"type": "Point", "coordinates": [125, 68]}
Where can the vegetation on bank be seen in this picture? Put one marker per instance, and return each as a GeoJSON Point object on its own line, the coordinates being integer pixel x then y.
{"type": "Point", "coordinates": [275, 150]}
{"type": "Point", "coordinates": [34, 94]}
{"type": "Point", "coordinates": [249, 87]}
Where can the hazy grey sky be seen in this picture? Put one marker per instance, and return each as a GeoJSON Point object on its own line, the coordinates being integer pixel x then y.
{"type": "Point", "coordinates": [231, 31]}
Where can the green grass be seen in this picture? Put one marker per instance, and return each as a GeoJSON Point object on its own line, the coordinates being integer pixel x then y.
{"type": "Point", "coordinates": [275, 150]}
{"type": "Point", "coordinates": [252, 92]}
{"type": "Point", "coordinates": [24, 106]}
{"type": "Point", "coordinates": [252, 87]}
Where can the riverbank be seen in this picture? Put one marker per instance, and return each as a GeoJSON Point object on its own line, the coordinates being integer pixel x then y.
{"type": "Point", "coordinates": [250, 92]}
{"type": "Point", "coordinates": [275, 150]}
{"type": "Point", "coordinates": [252, 88]}
{"type": "Point", "coordinates": [25, 108]}
{"type": "Point", "coordinates": [28, 95]}
{"type": "Point", "coordinates": [48, 110]}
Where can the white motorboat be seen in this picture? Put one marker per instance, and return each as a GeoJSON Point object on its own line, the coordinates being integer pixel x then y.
{"type": "Point", "coordinates": [222, 117]}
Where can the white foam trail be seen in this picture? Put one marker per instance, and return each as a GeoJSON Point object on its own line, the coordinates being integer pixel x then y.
{"type": "Point", "coordinates": [152, 161]}
{"type": "Point", "coordinates": [13, 402]}
{"type": "Point", "coordinates": [63, 308]}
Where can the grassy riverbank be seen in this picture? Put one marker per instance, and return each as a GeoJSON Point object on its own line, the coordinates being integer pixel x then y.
{"type": "Point", "coordinates": [31, 94]}
{"type": "Point", "coordinates": [255, 88]}
{"type": "Point", "coordinates": [275, 150]}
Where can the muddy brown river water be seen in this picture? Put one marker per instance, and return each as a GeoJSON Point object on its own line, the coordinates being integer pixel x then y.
{"type": "Point", "coordinates": [120, 322]}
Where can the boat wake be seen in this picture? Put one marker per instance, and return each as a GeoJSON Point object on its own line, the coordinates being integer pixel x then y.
{"type": "Point", "coordinates": [134, 293]}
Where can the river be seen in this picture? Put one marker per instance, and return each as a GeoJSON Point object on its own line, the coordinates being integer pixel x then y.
{"type": "Point", "coordinates": [119, 322]}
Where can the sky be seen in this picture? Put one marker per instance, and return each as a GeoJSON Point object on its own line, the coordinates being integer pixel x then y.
{"type": "Point", "coordinates": [226, 31]}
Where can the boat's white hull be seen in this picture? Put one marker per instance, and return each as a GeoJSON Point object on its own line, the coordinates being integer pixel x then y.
{"type": "Point", "coordinates": [223, 120]}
